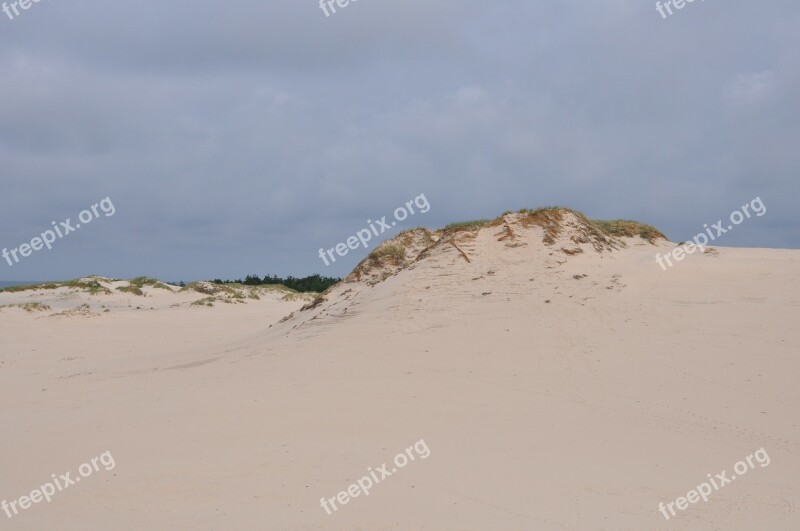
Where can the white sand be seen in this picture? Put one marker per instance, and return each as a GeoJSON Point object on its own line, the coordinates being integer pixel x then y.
{"type": "Point", "coordinates": [584, 412]}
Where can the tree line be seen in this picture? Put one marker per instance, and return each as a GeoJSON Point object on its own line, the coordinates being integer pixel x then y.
{"type": "Point", "coordinates": [314, 283]}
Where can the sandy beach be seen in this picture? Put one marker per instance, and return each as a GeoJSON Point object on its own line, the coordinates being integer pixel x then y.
{"type": "Point", "coordinates": [556, 385]}
{"type": "Point", "coordinates": [362, 265]}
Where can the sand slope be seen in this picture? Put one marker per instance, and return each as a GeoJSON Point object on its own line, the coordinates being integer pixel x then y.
{"type": "Point", "coordinates": [549, 400]}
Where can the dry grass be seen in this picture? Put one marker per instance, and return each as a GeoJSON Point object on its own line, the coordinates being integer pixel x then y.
{"type": "Point", "coordinates": [141, 282]}
{"type": "Point", "coordinates": [135, 290]}
{"type": "Point", "coordinates": [308, 296]}
{"type": "Point", "coordinates": [311, 305]}
{"type": "Point", "coordinates": [629, 229]}
{"type": "Point", "coordinates": [389, 250]}
{"type": "Point", "coordinates": [572, 252]}
{"type": "Point", "coordinates": [549, 218]}
{"type": "Point", "coordinates": [467, 225]}
{"type": "Point", "coordinates": [92, 287]}
{"type": "Point", "coordinates": [597, 232]}
{"type": "Point", "coordinates": [16, 289]}
{"type": "Point", "coordinates": [408, 237]}
{"type": "Point", "coordinates": [207, 288]}
{"type": "Point", "coordinates": [29, 307]}
{"type": "Point", "coordinates": [84, 310]}
{"type": "Point", "coordinates": [506, 234]}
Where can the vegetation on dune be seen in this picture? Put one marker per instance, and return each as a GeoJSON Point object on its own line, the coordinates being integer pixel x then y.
{"type": "Point", "coordinates": [467, 225]}
{"type": "Point", "coordinates": [29, 306]}
{"type": "Point", "coordinates": [208, 301]}
{"type": "Point", "coordinates": [207, 289]}
{"type": "Point", "coordinates": [15, 289]}
{"type": "Point", "coordinates": [628, 228]}
{"type": "Point", "coordinates": [93, 287]}
{"type": "Point", "coordinates": [141, 282]}
{"type": "Point", "coordinates": [296, 296]}
{"type": "Point", "coordinates": [412, 230]}
{"type": "Point", "coordinates": [34, 307]}
{"type": "Point", "coordinates": [417, 235]}
{"type": "Point", "coordinates": [549, 218]}
{"type": "Point", "coordinates": [389, 250]}
{"type": "Point", "coordinates": [313, 304]}
{"type": "Point", "coordinates": [131, 289]}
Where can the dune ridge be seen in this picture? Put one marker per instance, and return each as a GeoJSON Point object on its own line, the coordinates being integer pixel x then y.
{"type": "Point", "coordinates": [560, 378]}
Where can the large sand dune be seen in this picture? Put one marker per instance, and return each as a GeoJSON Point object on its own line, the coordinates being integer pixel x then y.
{"type": "Point", "coordinates": [559, 377]}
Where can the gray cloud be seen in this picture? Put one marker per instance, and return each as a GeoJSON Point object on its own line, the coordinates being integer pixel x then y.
{"type": "Point", "coordinates": [243, 136]}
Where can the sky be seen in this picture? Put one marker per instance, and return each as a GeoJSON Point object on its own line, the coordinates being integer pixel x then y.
{"type": "Point", "coordinates": [241, 137]}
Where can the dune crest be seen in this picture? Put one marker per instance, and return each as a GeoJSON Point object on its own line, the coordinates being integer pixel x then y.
{"type": "Point", "coordinates": [516, 245]}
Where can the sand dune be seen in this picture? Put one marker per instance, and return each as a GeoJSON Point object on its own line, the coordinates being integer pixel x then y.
{"type": "Point", "coordinates": [560, 378]}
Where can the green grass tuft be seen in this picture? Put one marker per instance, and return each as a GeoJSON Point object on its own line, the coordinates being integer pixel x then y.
{"type": "Point", "coordinates": [141, 282]}
{"type": "Point", "coordinates": [29, 306]}
{"type": "Point", "coordinates": [467, 225]}
{"type": "Point", "coordinates": [629, 229]}
{"type": "Point", "coordinates": [92, 286]}
{"type": "Point", "coordinates": [136, 290]}
{"type": "Point", "coordinates": [389, 250]}
{"type": "Point", "coordinates": [16, 289]}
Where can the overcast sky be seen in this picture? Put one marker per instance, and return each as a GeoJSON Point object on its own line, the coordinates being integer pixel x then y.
{"type": "Point", "coordinates": [240, 137]}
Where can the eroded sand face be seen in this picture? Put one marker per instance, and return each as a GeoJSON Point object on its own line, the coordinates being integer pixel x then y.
{"type": "Point", "coordinates": [548, 399]}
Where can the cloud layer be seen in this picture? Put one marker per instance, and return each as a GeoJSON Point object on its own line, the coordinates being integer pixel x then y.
{"type": "Point", "coordinates": [242, 137]}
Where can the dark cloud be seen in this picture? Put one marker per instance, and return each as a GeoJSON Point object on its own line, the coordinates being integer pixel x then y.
{"type": "Point", "coordinates": [243, 136]}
